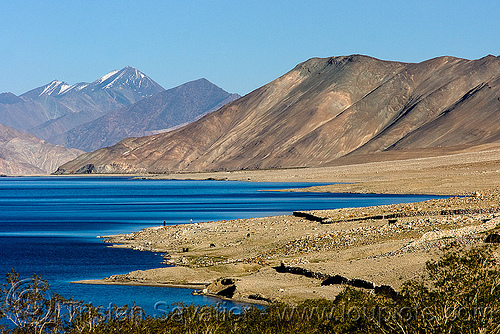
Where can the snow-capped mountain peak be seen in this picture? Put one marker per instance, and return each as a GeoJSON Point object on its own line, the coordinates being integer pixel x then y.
{"type": "Point", "coordinates": [106, 77]}
{"type": "Point", "coordinates": [55, 88]}
{"type": "Point", "coordinates": [129, 77]}
{"type": "Point", "coordinates": [131, 83]}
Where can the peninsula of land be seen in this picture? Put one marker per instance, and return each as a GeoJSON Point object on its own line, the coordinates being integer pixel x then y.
{"type": "Point", "coordinates": [316, 254]}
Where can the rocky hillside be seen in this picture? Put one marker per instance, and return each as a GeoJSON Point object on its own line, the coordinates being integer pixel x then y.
{"type": "Point", "coordinates": [324, 110]}
{"type": "Point", "coordinates": [155, 114]}
{"type": "Point", "coordinates": [22, 154]}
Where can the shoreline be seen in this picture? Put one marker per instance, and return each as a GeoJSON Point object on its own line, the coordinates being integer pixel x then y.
{"type": "Point", "coordinates": [360, 244]}
{"type": "Point", "coordinates": [104, 281]}
{"type": "Point", "coordinates": [356, 243]}
{"type": "Point", "coordinates": [449, 175]}
{"type": "Point", "coordinates": [190, 286]}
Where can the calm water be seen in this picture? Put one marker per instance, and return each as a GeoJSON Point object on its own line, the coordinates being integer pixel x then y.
{"type": "Point", "coordinates": [49, 225]}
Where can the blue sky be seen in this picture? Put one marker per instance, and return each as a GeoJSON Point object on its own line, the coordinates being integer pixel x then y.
{"type": "Point", "coordinates": [238, 45]}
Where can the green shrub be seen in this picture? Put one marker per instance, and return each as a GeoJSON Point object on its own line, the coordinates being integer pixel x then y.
{"type": "Point", "coordinates": [459, 293]}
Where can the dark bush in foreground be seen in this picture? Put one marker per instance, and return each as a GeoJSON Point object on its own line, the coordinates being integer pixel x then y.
{"type": "Point", "coordinates": [459, 294]}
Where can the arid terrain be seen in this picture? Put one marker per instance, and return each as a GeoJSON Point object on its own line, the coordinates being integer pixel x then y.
{"type": "Point", "coordinates": [453, 174]}
{"type": "Point", "coordinates": [22, 153]}
{"type": "Point", "coordinates": [354, 124]}
{"type": "Point", "coordinates": [326, 112]}
{"type": "Point", "coordinates": [286, 258]}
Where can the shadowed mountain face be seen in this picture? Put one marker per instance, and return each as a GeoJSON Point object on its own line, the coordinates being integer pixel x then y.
{"type": "Point", "coordinates": [158, 113]}
{"type": "Point", "coordinates": [323, 110]}
{"type": "Point", "coordinates": [22, 153]}
{"type": "Point", "coordinates": [57, 107]}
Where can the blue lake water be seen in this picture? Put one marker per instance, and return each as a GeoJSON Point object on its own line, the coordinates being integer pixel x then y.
{"type": "Point", "coordinates": [48, 226]}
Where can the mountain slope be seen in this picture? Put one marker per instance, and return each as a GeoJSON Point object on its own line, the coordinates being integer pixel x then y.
{"type": "Point", "coordinates": [322, 110]}
{"type": "Point", "coordinates": [24, 113]}
{"type": "Point", "coordinates": [161, 111]}
{"type": "Point", "coordinates": [22, 153]}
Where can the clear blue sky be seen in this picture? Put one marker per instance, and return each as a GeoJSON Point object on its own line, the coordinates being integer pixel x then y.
{"type": "Point", "coordinates": [238, 45]}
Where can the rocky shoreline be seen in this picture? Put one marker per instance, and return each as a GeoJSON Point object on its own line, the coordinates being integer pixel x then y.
{"type": "Point", "coordinates": [383, 245]}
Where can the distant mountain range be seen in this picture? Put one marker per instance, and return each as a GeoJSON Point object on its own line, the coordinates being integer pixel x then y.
{"type": "Point", "coordinates": [89, 116]}
{"type": "Point", "coordinates": [24, 154]}
{"type": "Point", "coordinates": [57, 107]}
{"type": "Point", "coordinates": [326, 110]}
{"type": "Point", "coordinates": [158, 113]}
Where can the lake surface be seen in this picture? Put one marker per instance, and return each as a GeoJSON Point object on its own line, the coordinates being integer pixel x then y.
{"type": "Point", "coordinates": [48, 226]}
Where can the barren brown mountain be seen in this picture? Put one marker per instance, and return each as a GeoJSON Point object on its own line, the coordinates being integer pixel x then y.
{"type": "Point", "coordinates": [23, 153]}
{"type": "Point", "coordinates": [346, 108]}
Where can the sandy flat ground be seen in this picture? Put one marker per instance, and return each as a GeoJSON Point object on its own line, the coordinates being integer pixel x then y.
{"type": "Point", "coordinates": [455, 174]}
{"type": "Point", "coordinates": [363, 243]}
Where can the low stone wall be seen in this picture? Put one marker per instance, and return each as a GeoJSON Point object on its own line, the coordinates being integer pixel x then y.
{"type": "Point", "coordinates": [308, 216]}
{"type": "Point", "coordinates": [452, 212]}
{"type": "Point", "coordinates": [385, 290]}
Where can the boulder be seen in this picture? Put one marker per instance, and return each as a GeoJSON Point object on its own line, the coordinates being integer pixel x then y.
{"type": "Point", "coordinates": [222, 286]}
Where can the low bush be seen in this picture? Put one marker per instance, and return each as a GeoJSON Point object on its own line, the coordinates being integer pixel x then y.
{"type": "Point", "coordinates": [459, 293]}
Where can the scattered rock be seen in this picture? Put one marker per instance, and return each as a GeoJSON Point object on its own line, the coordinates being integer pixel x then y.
{"type": "Point", "coordinates": [87, 169]}
{"type": "Point", "coordinates": [258, 296]}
